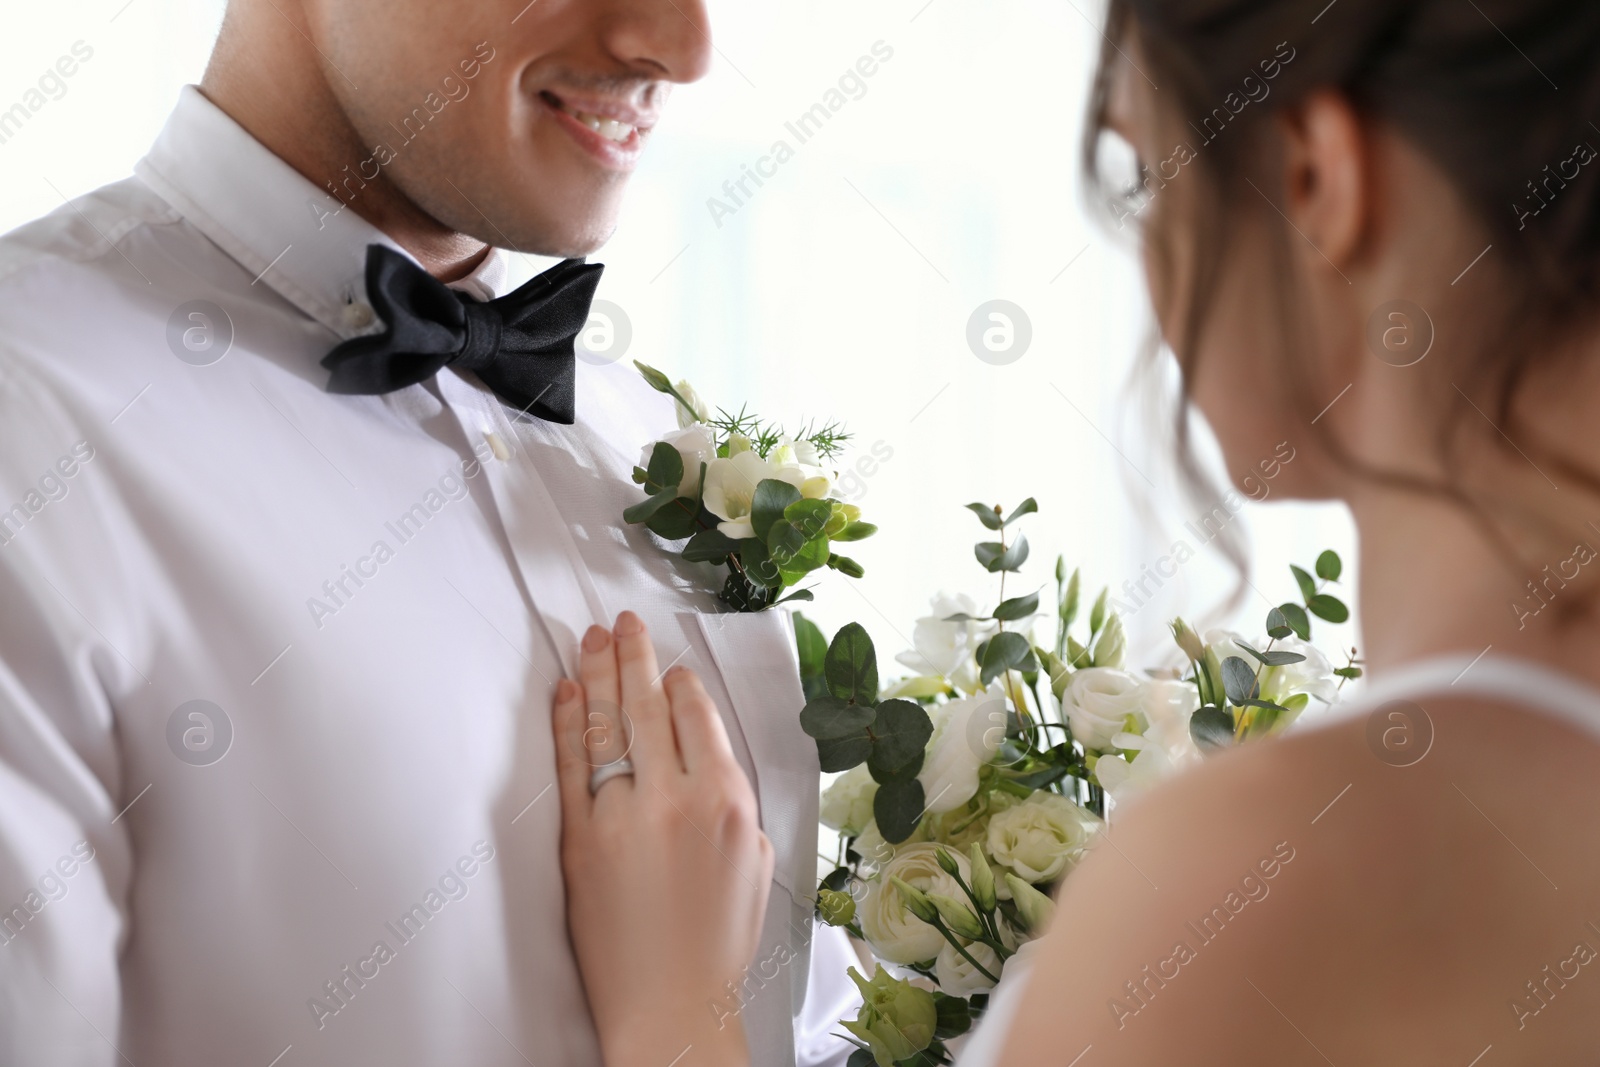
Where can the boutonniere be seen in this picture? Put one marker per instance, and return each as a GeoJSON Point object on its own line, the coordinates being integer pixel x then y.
{"type": "Point", "coordinates": [742, 493]}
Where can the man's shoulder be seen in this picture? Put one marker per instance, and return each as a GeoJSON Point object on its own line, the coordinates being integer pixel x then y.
{"type": "Point", "coordinates": [81, 233]}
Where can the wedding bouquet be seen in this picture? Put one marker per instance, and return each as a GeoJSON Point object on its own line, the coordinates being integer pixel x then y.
{"type": "Point", "coordinates": [973, 786]}
{"type": "Point", "coordinates": [744, 494]}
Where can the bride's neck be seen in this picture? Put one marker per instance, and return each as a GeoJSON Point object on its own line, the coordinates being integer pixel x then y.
{"type": "Point", "coordinates": [1433, 582]}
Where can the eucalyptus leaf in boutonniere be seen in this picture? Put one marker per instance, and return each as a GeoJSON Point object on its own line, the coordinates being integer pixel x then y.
{"type": "Point", "coordinates": [744, 494]}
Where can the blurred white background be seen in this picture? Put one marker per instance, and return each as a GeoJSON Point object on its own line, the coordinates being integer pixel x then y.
{"type": "Point", "coordinates": [842, 287]}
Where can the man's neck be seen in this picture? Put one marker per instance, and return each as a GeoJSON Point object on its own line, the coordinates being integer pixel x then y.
{"type": "Point", "coordinates": [265, 74]}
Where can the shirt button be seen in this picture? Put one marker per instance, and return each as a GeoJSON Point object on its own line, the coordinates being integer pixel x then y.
{"type": "Point", "coordinates": [357, 316]}
{"type": "Point", "coordinates": [497, 445]}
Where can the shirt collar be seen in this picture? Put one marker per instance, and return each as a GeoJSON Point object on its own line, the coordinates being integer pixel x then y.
{"type": "Point", "coordinates": [291, 236]}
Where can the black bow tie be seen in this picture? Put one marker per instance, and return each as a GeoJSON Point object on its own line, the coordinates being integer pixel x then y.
{"type": "Point", "coordinates": [519, 344]}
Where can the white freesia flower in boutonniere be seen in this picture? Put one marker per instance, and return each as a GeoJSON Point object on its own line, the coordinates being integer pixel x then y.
{"type": "Point", "coordinates": [696, 445]}
{"type": "Point", "coordinates": [966, 735]}
{"type": "Point", "coordinates": [691, 409]}
{"type": "Point", "coordinates": [801, 458]}
{"type": "Point", "coordinates": [895, 933]}
{"type": "Point", "coordinates": [1039, 838]}
{"type": "Point", "coordinates": [731, 488]}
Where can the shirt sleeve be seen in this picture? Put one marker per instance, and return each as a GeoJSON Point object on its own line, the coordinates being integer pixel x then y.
{"type": "Point", "coordinates": [65, 857]}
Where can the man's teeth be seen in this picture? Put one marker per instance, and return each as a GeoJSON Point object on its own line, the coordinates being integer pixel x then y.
{"type": "Point", "coordinates": [610, 129]}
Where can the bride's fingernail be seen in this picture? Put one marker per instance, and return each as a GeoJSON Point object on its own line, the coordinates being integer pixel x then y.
{"type": "Point", "coordinates": [595, 639]}
{"type": "Point", "coordinates": [629, 624]}
{"type": "Point", "coordinates": [566, 690]}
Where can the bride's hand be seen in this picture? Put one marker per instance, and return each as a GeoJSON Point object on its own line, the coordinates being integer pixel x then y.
{"type": "Point", "coordinates": [667, 869]}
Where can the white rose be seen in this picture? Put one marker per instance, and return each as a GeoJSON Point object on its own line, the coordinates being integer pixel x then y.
{"type": "Point", "coordinates": [1099, 702]}
{"type": "Point", "coordinates": [1041, 837]}
{"type": "Point", "coordinates": [698, 412]}
{"type": "Point", "coordinates": [946, 648]}
{"type": "Point", "coordinates": [956, 975]}
{"type": "Point", "coordinates": [847, 802]}
{"type": "Point", "coordinates": [731, 488]}
{"type": "Point", "coordinates": [695, 445]}
{"type": "Point", "coordinates": [966, 735]}
{"type": "Point", "coordinates": [896, 935]}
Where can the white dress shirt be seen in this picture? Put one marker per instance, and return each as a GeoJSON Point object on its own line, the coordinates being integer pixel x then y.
{"type": "Point", "coordinates": [275, 665]}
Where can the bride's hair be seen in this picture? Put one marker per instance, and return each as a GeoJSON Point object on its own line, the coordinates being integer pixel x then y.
{"type": "Point", "coordinates": [1496, 93]}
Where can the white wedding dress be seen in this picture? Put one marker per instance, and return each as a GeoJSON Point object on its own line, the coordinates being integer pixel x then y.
{"type": "Point", "coordinates": [1524, 685]}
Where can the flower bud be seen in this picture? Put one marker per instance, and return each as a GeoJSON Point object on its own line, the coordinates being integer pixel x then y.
{"type": "Point", "coordinates": [982, 878]}
{"type": "Point", "coordinates": [1035, 908]}
{"type": "Point", "coordinates": [947, 863]}
{"type": "Point", "coordinates": [897, 1020]}
{"type": "Point", "coordinates": [1188, 640]}
{"type": "Point", "coordinates": [837, 908]}
{"type": "Point", "coordinates": [737, 442]}
{"type": "Point", "coordinates": [1110, 649]}
{"type": "Point", "coordinates": [917, 901]}
{"type": "Point", "coordinates": [961, 919]}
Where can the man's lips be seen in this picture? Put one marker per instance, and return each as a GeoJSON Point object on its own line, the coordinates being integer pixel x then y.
{"type": "Point", "coordinates": [615, 121]}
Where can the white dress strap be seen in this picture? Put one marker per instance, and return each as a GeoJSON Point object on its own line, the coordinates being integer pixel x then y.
{"type": "Point", "coordinates": [1518, 682]}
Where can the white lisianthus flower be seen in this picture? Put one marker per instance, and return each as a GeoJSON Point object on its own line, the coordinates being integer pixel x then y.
{"type": "Point", "coordinates": [1313, 676]}
{"type": "Point", "coordinates": [1122, 779]}
{"type": "Point", "coordinates": [731, 488]}
{"type": "Point", "coordinates": [1167, 708]}
{"type": "Point", "coordinates": [896, 935]}
{"type": "Point", "coordinates": [956, 975]}
{"type": "Point", "coordinates": [1041, 837]}
{"type": "Point", "coordinates": [698, 411]}
{"type": "Point", "coordinates": [695, 445]}
{"type": "Point", "coordinates": [847, 802]}
{"type": "Point", "coordinates": [966, 735]}
{"type": "Point", "coordinates": [1099, 702]}
{"type": "Point", "coordinates": [945, 649]}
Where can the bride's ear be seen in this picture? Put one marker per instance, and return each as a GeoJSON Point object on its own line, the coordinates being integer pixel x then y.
{"type": "Point", "coordinates": [1327, 177]}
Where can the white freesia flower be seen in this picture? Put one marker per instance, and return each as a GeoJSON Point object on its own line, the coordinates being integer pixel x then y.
{"type": "Point", "coordinates": [957, 976]}
{"type": "Point", "coordinates": [1041, 837]}
{"type": "Point", "coordinates": [1099, 702]}
{"type": "Point", "coordinates": [945, 649]}
{"type": "Point", "coordinates": [731, 488]}
{"type": "Point", "coordinates": [896, 935]}
{"type": "Point", "coordinates": [800, 459]}
{"type": "Point", "coordinates": [698, 411]}
{"type": "Point", "coordinates": [847, 802]}
{"type": "Point", "coordinates": [696, 445]}
{"type": "Point", "coordinates": [1313, 676]}
{"type": "Point", "coordinates": [966, 735]}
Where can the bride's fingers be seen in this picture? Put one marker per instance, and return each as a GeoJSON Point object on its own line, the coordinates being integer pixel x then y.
{"type": "Point", "coordinates": [572, 765]}
{"type": "Point", "coordinates": [607, 736]}
{"type": "Point", "coordinates": [702, 739]}
{"type": "Point", "coordinates": [643, 698]}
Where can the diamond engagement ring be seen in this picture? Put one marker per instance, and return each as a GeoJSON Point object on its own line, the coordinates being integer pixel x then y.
{"type": "Point", "coordinates": [604, 774]}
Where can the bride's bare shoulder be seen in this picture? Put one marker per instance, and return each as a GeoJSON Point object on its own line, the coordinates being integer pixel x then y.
{"type": "Point", "coordinates": [1342, 893]}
